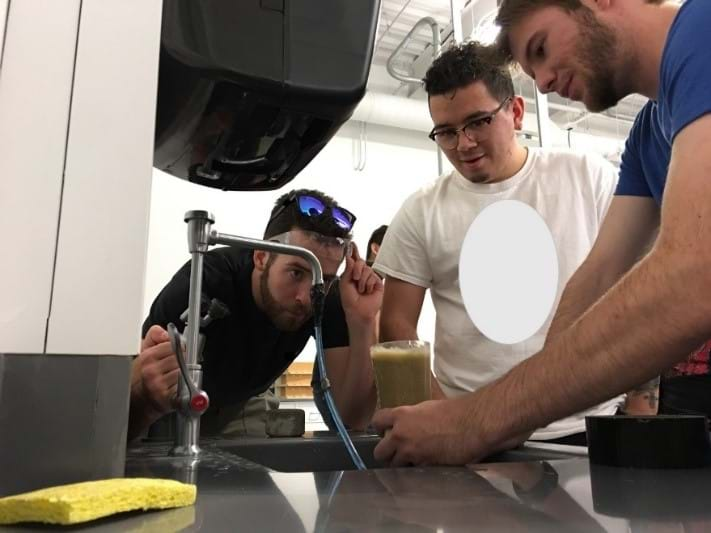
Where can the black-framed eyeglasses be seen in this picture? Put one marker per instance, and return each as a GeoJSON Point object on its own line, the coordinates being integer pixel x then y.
{"type": "Point", "coordinates": [312, 206]}
{"type": "Point", "coordinates": [474, 130]}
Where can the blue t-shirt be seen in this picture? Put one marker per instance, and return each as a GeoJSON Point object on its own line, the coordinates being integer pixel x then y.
{"type": "Point", "coordinates": [684, 96]}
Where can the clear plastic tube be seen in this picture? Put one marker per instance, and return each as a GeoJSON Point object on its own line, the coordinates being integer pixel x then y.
{"type": "Point", "coordinates": [357, 461]}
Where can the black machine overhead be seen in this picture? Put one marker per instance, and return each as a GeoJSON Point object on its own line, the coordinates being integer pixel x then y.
{"type": "Point", "coordinates": [250, 91]}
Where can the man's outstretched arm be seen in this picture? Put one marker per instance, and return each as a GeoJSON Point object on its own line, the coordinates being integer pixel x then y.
{"type": "Point", "coordinates": [654, 317]}
{"type": "Point", "coordinates": [627, 233]}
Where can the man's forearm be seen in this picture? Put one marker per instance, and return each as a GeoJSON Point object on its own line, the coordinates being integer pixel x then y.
{"type": "Point", "coordinates": [583, 289]}
{"type": "Point", "coordinates": [140, 417]}
{"type": "Point", "coordinates": [358, 379]}
{"type": "Point", "coordinates": [397, 330]}
{"type": "Point", "coordinates": [642, 326]}
{"type": "Point", "coordinates": [609, 259]}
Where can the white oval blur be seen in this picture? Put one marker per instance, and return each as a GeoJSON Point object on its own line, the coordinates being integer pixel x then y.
{"type": "Point", "coordinates": [508, 271]}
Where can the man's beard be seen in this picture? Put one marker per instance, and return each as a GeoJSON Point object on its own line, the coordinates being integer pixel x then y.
{"type": "Point", "coordinates": [277, 313]}
{"type": "Point", "coordinates": [596, 52]}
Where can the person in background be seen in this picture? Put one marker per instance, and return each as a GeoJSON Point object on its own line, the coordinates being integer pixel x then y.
{"type": "Point", "coordinates": [631, 311]}
{"type": "Point", "coordinates": [376, 239]}
{"type": "Point", "coordinates": [476, 115]}
{"type": "Point", "coordinates": [269, 321]}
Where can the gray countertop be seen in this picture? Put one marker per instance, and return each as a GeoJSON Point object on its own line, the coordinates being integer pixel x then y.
{"type": "Point", "coordinates": [521, 493]}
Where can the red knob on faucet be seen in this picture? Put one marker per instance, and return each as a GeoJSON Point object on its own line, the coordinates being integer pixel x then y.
{"type": "Point", "coordinates": [199, 403]}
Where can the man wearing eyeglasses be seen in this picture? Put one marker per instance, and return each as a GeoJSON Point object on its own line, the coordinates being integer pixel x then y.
{"type": "Point", "coordinates": [476, 116]}
{"type": "Point", "coordinates": [269, 320]}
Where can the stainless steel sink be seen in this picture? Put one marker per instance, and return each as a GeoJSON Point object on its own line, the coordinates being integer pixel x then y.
{"type": "Point", "coordinates": [322, 452]}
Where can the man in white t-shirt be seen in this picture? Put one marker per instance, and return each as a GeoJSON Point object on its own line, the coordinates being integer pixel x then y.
{"type": "Point", "coordinates": [476, 115]}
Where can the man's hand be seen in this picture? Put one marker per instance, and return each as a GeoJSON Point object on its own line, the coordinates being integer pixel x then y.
{"type": "Point", "coordinates": [361, 290]}
{"type": "Point", "coordinates": [155, 373]}
{"type": "Point", "coordinates": [435, 432]}
{"type": "Point", "coordinates": [432, 432]}
{"type": "Point", "coordinates": [643, 400]}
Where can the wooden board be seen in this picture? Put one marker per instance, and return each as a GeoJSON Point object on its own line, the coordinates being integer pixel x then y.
{"type": "Point", "coordinates": [293, 392]}
{"type": "Point", "coordinates": [300, 368]}
{"type": "Point", "coordinates": [299, 380]}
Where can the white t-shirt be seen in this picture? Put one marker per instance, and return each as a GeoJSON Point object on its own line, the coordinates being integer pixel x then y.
{"type": "Point", "coordinates": [570, 191]}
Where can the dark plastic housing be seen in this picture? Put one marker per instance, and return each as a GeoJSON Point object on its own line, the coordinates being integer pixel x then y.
{"type": "Point", "coordinates": [658, 442]}
{"type": "Point", "coordinates": [644, 493]}
{"type": "Point", "coordinates": [250, 91]}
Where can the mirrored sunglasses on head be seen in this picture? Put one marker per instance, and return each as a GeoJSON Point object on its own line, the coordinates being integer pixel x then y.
{"type": "Point", "coordinates": [311, 206]}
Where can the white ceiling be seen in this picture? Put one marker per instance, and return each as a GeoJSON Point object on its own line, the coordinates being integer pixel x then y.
{"type": "Point", "coordinates": [397, 17]}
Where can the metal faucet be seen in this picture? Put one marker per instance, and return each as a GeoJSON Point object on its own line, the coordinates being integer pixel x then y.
{"type": "Point", "coordinates": [192, 400]}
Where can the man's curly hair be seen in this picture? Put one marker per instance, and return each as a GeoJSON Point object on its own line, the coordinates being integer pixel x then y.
{"type": "Point", "coordinates": [463, 64]}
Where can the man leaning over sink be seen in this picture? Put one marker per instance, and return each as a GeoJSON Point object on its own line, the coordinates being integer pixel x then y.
{"type": "Point", "coordinates": [270, 319]}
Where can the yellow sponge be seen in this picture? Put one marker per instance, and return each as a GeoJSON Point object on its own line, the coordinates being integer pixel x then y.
{"type": "Point", "coordinates": [81, 502]}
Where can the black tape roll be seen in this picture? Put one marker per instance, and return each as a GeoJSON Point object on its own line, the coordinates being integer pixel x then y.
{"type": "Point", "coordinates": [659, 442]}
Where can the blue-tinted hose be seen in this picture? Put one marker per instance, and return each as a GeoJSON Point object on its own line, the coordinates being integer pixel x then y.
{"type": "Point", "coordinates": [357, 461]}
